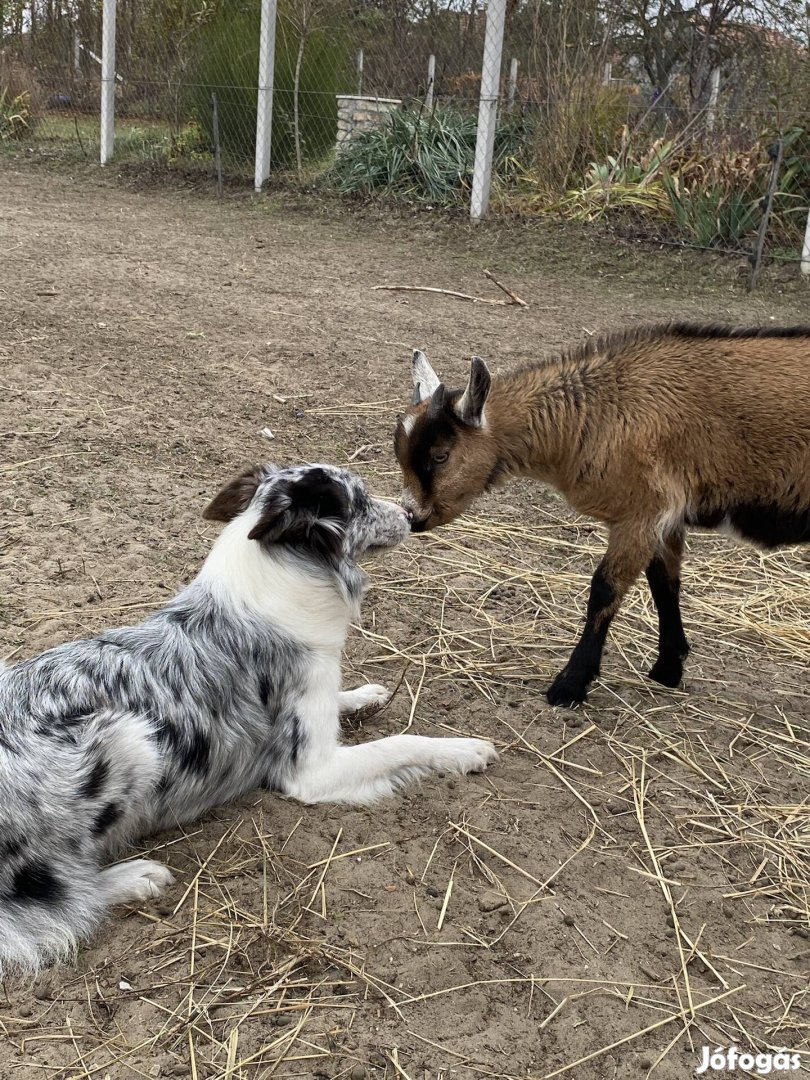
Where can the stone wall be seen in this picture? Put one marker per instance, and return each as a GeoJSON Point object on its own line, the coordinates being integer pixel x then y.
{"type": "Point", "coordinates": [356, 114]}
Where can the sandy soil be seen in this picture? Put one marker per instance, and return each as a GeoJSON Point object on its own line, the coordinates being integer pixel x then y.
{"type": "Point", "coordinates": [635, 873]}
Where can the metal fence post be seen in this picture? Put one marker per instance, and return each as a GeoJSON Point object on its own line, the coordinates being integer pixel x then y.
{"type": "Point", "coordinates": [107, 139]}
{"type": "Point", "coordinates": [264, 110]}
{"type": "Point", "coordinates": [217, 147]}
{"type": "Point", "coordinates": [488, 108]}
{"type": "Point", "coordinates": [775, 154]}
{"type": "Point", "coordinates": [431, 82]}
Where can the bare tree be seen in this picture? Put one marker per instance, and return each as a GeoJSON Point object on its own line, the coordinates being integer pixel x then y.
{"type": "Point", "coordinates": [306, 17]}
{"type": "Point", "coordinates": [672, 36]}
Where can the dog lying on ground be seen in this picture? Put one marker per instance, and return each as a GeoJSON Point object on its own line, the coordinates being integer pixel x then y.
{"type": "Point", "coordinates": [233, 685]}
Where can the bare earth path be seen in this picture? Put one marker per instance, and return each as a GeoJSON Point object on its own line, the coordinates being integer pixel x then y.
{"type": "Point", "coordinates": [635, 873]}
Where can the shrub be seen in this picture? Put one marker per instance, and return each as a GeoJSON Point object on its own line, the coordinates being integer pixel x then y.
{"type": "Point", "coordinates": [581, 124]}
{"type": "Point", "coordinates": [710, 196]}
{"type": "Point", "coordinates": [424, 156]}
{"type": "Point", "coordinates": [20, 99]}
{"type": "Point", "coordinates": [227, 64]}
{"type": "Point", "coordinates": [14, 116]}
{"type": "Point", "coordinates": [715, 193]}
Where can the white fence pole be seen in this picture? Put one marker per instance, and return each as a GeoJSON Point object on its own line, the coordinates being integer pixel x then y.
{"type": "Point", "coordinates": [513, 72]}
{"type": "Point", "coordinates": [488, 108]}
{"type": "Point", "coordinates": [107, 139]}
{"type": "Point", "coordinates": [360, 60]}
{"type": "Point", "coordinates": [607, 73]}
{"type": "Point", "coordinates": [77, 51]}
{"type": "Point", "coordinates": [806, 247]}
{"type": "Point", "coordinates": [714, 93]}
{"type": "Point", "coordinates": [264, 110]}
{"type": "Point", "coordinates": [430, 83]}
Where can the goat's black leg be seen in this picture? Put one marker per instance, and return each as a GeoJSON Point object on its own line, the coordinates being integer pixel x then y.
{"type": "Point", "coordinates": [571, 685]}
{"type": "Point", "coordinates": [664, 577]}
{"type": "Point", "coordinates": [630, 549]}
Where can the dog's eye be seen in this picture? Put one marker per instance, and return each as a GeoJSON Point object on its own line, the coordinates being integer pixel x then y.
{"type": "Point", "coordinates": [439, 459]}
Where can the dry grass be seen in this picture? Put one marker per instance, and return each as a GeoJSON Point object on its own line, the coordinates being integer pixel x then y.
{"type": "Point", "coordinates": [502, 604]}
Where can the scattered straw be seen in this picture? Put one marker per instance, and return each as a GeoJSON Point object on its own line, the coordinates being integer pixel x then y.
{"type": "Point", "coordinates": [262, 967]}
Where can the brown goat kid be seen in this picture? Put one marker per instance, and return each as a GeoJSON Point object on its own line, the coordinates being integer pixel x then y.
{"type": "Point", "coordinates": [650, 431]}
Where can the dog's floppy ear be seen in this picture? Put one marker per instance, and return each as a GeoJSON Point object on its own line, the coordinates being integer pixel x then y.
{"type": "Point", "coordinates": [310, 513]}
{"type": "Point", "coordinates": [234, 497]}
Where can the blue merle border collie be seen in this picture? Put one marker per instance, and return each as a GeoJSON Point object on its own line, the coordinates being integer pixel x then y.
{"type": "Point", "coordinates": [233, 685]}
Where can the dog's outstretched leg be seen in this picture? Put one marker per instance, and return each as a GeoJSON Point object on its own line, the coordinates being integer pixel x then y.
{"type": "Point", "coordinates": [353, 700]}
{"type": "Point", "coordinates": [362, 774]}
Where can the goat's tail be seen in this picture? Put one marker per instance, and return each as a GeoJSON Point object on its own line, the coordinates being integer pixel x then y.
{"type": "Point", "coordinates": [55, 906]}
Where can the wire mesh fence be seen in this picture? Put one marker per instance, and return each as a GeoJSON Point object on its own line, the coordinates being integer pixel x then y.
{"type": "Point", "coordinates": [584, 117]}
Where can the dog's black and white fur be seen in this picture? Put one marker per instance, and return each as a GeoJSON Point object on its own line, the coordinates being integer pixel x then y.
{"type": "Point", "coordinates": [234, 685]}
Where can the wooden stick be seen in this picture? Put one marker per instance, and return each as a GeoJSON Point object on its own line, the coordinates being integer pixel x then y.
{"type": "Point", "coordinates": [442, 292]}
{"type": "Point", "coordinates": [514, 298]}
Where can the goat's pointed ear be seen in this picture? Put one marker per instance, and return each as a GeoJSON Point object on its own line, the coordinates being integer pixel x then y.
{"type": "Point", "coordinates": [235, 497]}
{"type": "Point", "coordinates": [470, 406]}
{"type": "Point", "coordinates": [425, 379]}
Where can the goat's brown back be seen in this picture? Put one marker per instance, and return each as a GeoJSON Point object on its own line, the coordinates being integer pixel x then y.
{"type": "Point", "coordinates": [649, 420]}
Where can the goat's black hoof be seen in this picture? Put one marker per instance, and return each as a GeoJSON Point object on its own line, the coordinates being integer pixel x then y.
{"type": "Point", "coordinates": [667, 672]}
{"type": "Point", "coordinates": [566, 691]}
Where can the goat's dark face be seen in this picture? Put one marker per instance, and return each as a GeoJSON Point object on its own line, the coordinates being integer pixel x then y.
{"type": "Point", "coordinates": [446, 453]}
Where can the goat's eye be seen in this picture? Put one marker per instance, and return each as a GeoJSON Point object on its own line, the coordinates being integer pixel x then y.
{"type": "Point", "coordinates": [439, 459]}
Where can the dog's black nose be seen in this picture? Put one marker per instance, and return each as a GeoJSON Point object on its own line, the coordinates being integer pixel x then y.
{"type": "Point", "coordinates": [418, 524]}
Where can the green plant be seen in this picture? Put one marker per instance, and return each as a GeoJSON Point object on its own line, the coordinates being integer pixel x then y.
{"type": "Point", "coordinates": [190, 143]}
{"type": "Point", "coordinates": [14, 116]}
{"type": "Point", "coordinates": [711, 216]}
{"type": "Point", "coordinates": [793, 192]}
{"type": "Point", "coordinates": [227, 64]}
{"type": "Point", "coordinates": [623, 181]}
{"type": "Point", "coordinates": [424, 156]}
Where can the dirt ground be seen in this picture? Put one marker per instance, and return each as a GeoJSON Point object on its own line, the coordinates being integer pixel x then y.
{"type": "Point", "coordinates": [628, 884]}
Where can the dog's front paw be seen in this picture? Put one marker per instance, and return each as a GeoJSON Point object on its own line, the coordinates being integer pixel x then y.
{"type": "Point", "coordinates": [149, 879]}
{"type": "Point", "coordinates": [363, 697]}
{"type": "Point", "coordinates": [465, 755]}
{"type": "Point", "coordinates": [136, 880]}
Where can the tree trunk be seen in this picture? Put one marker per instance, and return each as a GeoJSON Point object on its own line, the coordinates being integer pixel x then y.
{"type": "Point", "coordinates": [296, 99]}
{"type": "Point", "coordinates": [701, 58]}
